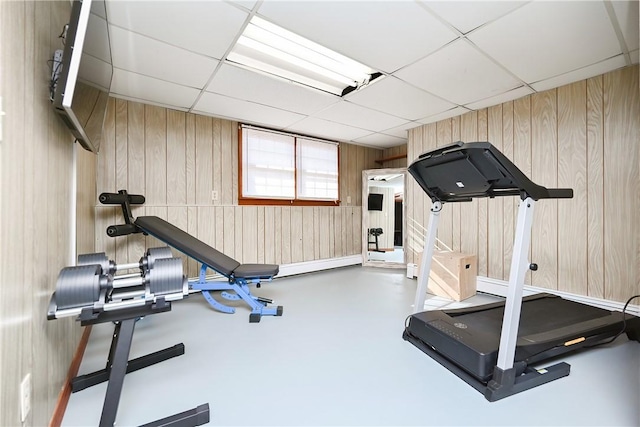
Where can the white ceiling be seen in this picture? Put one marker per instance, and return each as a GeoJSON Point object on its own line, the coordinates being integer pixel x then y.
{"type": "Point", "coordinates": [439, 58]}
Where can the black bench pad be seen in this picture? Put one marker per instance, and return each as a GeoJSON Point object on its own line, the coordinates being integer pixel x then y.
{"type": "Point", "coordinates": [200, 251]}
{"type": "Point", "coordinates": [262, 271]}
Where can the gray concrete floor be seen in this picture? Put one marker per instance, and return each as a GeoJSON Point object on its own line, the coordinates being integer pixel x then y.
{"type": "Point", "coordinates": [336, 357]}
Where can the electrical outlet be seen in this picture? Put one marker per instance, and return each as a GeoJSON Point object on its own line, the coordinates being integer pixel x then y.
{"type": "Point", "coordinates": [348, 200]}
{"type": "Point", "coordinates": [214, 195]}
{"type": "Point", "coordinates": [25, 397]}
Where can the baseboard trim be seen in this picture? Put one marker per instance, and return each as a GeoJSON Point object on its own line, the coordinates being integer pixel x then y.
{"type": "Point", "coordinates": [499, 287]}
{"type": "Point", "coordinates": [318, 265]}
{"type": "Point", "coordinates": [65, 392]}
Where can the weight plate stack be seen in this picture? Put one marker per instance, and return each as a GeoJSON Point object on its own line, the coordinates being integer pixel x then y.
{"type": "Point", "coordinates": [78, 286]}
{"type": "Point", "coordinates": [166, 276]}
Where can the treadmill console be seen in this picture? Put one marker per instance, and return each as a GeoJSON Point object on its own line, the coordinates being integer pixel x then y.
{"type": "Point", "coordinates": [463, 171]}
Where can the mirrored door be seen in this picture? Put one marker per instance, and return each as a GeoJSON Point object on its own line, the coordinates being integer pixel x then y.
{"type": "Point", "coordinates": [383, 219]}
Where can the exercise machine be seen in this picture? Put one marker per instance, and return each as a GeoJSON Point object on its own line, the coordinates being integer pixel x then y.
{"type": "Point", "coordinates": [492, 347]}
{"type": "Point", "coordinates": [238, 276]}
{"type": "Point", "coordinates": [375, 233]}
{"type": "Point", "coordinates": [94, 293]}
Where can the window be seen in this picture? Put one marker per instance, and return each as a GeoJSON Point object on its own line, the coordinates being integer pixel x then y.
{"type": "Point", "coordinates": [280, 168]}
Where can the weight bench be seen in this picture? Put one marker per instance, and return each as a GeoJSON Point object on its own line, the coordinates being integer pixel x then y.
{"type": "Point", "coordinates": [239, 276]}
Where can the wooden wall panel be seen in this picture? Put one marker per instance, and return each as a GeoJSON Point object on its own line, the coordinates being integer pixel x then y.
{"type": "Point", "coordinates": [190, 157]}
{"type": "Point", "coordinates": [445, 227]}
{"type": "Point", "coordinates": [495, 207]}
{"type": "Point", "coordinates": [249, 234]}
{"type": "Point", "coordinates": [621, 182]}
{"type": "Point", "coordinates": [176, 158]}
{"type": "Point", "coordinates": [216, 169]}
{"type": "Point", "coordinates": [238, 235]}
{"type": "Point", "coordinates": [308, 233]}
{"type": "Point", "coordinates": [121, 143]}
{"type": "Point", "coordinates": [455, 209]}
{"type": "Point", "coordinates": [510, 204]}
{"type": "Point", "coordinates": [522, 147]}
{"type": "Point", "coordinates": [155, 130]}
{"type": "Point", "coordinates": [297, 234]}
{"type": "Point", "coordinates": [106, 162]}
{"type": "Point", "coordinates": [229, 221]}
{"type": "Point", "coordinates": [544, 171]}
{"type": "Point", "coordinates": [260, 236]}
{"type": "Point", "coordinates": [572, 172]}
{"type": "Point", "coordinates": [595, 188]}
{"type": "Point", "coordinates": [36, 163]}
{"type": "Point", "coordinates": [227, 160]}
{"type": "Point", "coordinates": [469, 210]}
{"type": "Point", "coordinates": [135, 148]}
{"type": "Point", "coordinates": [583, 136]}
{"type": "Point", "coordinates": [287, 237]}
{"type": "Point", "coordinates": [269, 235]}
{"type": "Point", "coordinates": [482, 255]}
{"type": "Point", "coordinates": [399, 150]}
{"type": "Point", "coordinates": [203, 161]}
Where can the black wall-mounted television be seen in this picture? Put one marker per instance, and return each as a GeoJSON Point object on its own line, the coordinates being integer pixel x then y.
{"type": "Point", "coordinates": [80, 81]}
{"type": "Point", "coordinates": [375, 202]}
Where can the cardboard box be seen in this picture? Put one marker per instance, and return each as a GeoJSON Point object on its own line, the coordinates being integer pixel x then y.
{"type": "Point", "coordinates": [453, 275]}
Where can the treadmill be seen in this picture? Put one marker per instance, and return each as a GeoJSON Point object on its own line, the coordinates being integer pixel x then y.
{"type": "Point", "coordinates": [492, 347]}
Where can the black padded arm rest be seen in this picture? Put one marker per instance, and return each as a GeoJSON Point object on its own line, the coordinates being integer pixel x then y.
{"type": "Point", "coordinates": [256, 271]}
{"type": "Point", "coordinates": [187, 244]}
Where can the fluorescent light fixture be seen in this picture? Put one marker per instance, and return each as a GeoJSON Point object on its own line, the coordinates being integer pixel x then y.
{"type": "Point", "coordinates": [270, 49]}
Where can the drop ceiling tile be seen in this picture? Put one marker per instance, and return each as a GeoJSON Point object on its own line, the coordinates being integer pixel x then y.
{"type": "Point", "coordinates": [581, 74]}
{"type": "Point", "coordinates": [244, 111]}
{"type": "Point", "coordinates": [401, 131]}
{"type": "Point", "coordinates": [143, 55]}
{"type": "Point", "coordinates": [457, 111]}
{"type": "Point", "coordinates": [260, 88]}
{"type": "Point", "coordinates": [206, 27]}
{"type": "Point", "coordinates": [381, 34]}
{"type": "Point", "coordinates": [499, 99]}
{"type": "Point", "coordinates": [351, 114]}
{"type": "Point", "coordinates": [96, 42]}
{"type": "Point", "coordinates": [98, 8]}
{"type": "Point", "coordinates": [460, 74]}
{"type": "Point", "coordinates": [145, 88]}
{"type": "Point", "coordinates": [380, 140]}
{"type": "Point", "coordinates": [628, 16]}
{"type": "Point", "coordinates": [248, 4]}
{"type": "Point", "coordinates": [329, 130]}
{"type": "Point", "coordinates": [95, 71]}
{"type": "Point", "coordinates": [546, 38]}
{"type": "Point", "coordinates": [148, 102]}
{"type": "Point", "coordinates": [393, 96]}
{"type": "Point", "coordinates": [467, 15]}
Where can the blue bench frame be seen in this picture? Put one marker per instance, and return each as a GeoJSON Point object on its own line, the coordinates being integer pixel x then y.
{"type": "Point", "coordinates": [239, 276]}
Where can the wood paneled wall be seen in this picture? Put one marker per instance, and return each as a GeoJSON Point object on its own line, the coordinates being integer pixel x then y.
{"type": "Point", "coordinates": [178, 159]}
{"type": "Point", "coordinates": [394, 152]}
{"type": "Point", "coordinates": [584, 136]}
{"type": "Point", "coordinates": [36, 157]}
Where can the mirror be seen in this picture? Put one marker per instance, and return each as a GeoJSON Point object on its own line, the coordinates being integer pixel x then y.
{"type": "Point", "coordinates": [383, 218]}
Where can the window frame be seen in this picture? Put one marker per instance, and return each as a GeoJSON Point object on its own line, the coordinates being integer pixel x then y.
{"type": "Point", "coordinates": [266, 201]}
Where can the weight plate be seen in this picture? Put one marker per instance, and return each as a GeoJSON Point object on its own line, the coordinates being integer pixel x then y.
{"type": "Point", "coordinates": [78, 286]}
{"type": "Point", "coordinates": [166, 276]}
{"type": "Point", "coordinates": [154, 254]}
{"type": "Point", "coordinates": [99, 258]}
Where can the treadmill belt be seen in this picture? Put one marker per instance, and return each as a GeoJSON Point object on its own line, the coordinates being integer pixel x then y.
{"type": "Point", "coordinates": [536, 316]}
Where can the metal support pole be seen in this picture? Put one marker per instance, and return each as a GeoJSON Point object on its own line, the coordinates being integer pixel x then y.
{"type": "Point", "coordinates": [427, 255]}
{"type": "Point", "coordinates": [118, 371]}
{"type": "Point", "coordinates": [519, 267]}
